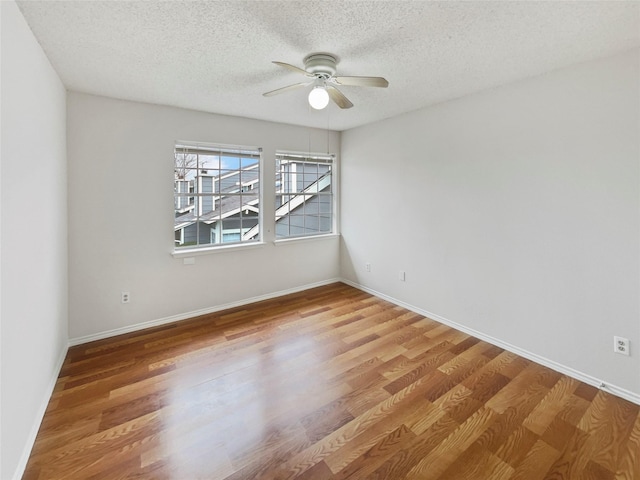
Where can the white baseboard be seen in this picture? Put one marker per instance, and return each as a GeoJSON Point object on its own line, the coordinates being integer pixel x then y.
{"type": "Point", "coordinates": [24, 458]}
{"type": "Point", "coordinates": [194, 313]}
{"type": "Point", "coordinates": [31, 439]}
{"type": "Point", "coordinates": [583, 377]}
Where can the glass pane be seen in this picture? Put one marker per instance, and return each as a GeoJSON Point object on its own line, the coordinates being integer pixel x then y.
{"type": "Point", "coordinates": [184, 162]}
{"type": "Point", "coordinates": [311, 211]}
{"type": "Point", "coordinates": [215, 180]}
{"type": "Point", "coordinates": [312, 224]}
{"type": "Point", "coordinates": [296, 230]}
{"type": "Point", "coordinates": [249, 162]}
{"type": "Point", "coordinates": [249, 176]}
{"type": "Point", "coordinates": [209, 162]}
{"type": "Point", "coordinates": [249, 216]}
{"type": "Point", "coordinates": [311, 205]}
{"type": "Point", "coordinates": [206, 233]}
{"type": "Point", "coordinates": [325, 223]}
{"type": "Point", "coordinates": [183, 204]}
{"type": "Point", "coordinates": [250, 226]}
{"type": "Point", "coordinates": [207, 207]}
{"type": "Point", "coordinates": [249, 219]}
{"type": "Point", "coordinates": [307, 168]}
{"type": "Point", "coordinates": [190, 235]}
{"type": "Point", "coordinates": [186, 233]}
{"type": "Point", "coordinates": [230, 163]}
{"type": "Point", "coordinates": [185, 174]}
{"type": "Point", "coordinates": [231, 229]}
{"type": "Point", "coordinates": [251, 200]}
{"type": "Point", "coordinates": [229, 181]}
{"type": "Point", "coordinates": [228, 237]}
{"type": "Point", "coordinates": [282, 221]}
{"type": "Point", "coordinates": [310, 182]}
{"type": "Point", "coordinates": [325, 182]}
{"type": "Point", "coordinates": [296, 222]}
{"type": "Point", "coordinates": [206, 184]}
{"type": "Point", "coordinates": [282, 230]}
{"type": "Point", "coordinates": [324, 203]}
{"type": "Point", "coordinates": [210, 215]}
{"type": "Point", "coordinates": [289, 184]}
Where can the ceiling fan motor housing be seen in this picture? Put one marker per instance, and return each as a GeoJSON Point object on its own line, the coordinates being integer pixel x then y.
{"type": "Point", "coordinates": [321, 65]}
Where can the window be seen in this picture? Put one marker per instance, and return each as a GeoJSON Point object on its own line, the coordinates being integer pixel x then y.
{"type": "Point", "coordinates": [216, 195]}
{"type": "Point", "coordinates": [304, 194]}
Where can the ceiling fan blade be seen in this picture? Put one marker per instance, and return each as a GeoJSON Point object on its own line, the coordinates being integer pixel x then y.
{"type": "Point", "coordinates": [363, 81]}
{"type": "Point", "coordinates": [295, 86]}
{"type": "Point", "coordinates": [293, 68]}
{"type": "Point", "coordinates": [337, 96]}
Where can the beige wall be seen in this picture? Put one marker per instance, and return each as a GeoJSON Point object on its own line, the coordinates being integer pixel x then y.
{"type": "Point", "coordinates": [515, 214]}
{"type": "Point", "coordinates": [33, 252]}
{"type": "Point", "coordinates": [121, 217]}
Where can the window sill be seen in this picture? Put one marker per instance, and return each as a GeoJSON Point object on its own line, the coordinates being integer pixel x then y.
{"type": "Point", "coordinates": [312, 238]}
{"type": "Point", "coordinates": [194, 252]}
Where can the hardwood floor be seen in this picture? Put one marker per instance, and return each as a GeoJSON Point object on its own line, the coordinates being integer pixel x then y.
{"type": "Point", "coordinates": [330, 383]}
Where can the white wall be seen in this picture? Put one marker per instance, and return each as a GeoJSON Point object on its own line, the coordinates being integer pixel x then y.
{"type": "Point", "coordinates": [121, 217]}
{"type": "Point", "coordinates": [514, 212]}
{"type": "Point", "coordinates": [33, 236]}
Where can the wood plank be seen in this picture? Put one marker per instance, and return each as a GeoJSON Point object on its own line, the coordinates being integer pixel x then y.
{"type": "Point", "coordinates": [536, 462]}
{"type": "Point", "coordinates": [452, 447]}
{"type": "Point", "coordinates": [328, 383]}
{"type": "Point", "coordinates": [629, 466]}
{"type": "Point", "coordinates": [609, 423]}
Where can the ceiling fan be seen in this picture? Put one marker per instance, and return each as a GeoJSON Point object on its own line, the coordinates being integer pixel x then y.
{"type": "Point", "coordinates": [320, 68]}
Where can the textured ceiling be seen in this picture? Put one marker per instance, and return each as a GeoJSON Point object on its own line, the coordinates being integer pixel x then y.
{"type": "Point", "coordinates": [215, 56]}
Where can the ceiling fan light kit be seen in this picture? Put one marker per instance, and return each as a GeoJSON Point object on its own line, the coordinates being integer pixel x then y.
{"type": "Point", "coordinates": [321, 68]}
{"type": "Point", "coordinates": [318, 97]}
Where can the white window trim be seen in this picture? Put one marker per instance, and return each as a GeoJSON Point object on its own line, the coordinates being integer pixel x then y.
{"type": "Point", "coordinates": [218, 248]}
{"type": "Point", "coordinates": [308, 238]}
{"type": "Point", "coordinates": [318, 158]}
{"type": "Point", "coordinates": [202, 147]}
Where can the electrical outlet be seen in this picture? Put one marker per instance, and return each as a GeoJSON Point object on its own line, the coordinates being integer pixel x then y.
{"type": "Point", "coordinates": [367, 266]}
{"type": "Point", "coordinates": [401, 276]}
{"type": "Point", "coordinates": [621, 345]}
{"type": "Point", "coordinates": [125, 297]}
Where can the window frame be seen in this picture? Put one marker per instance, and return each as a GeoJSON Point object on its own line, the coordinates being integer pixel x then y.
{"type": "Point", "coordinates": [194, 173]}
{"type": "Point", "coordinates": [280, 184]}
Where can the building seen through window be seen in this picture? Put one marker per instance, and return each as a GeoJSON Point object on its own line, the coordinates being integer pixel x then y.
{"type": "Point", "coordinates": [304, 194]}
{"type": "Point", "coordinates": [216, 195]}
